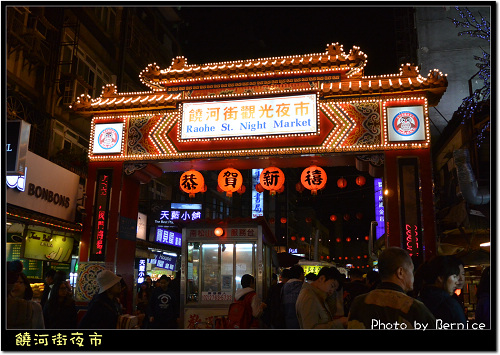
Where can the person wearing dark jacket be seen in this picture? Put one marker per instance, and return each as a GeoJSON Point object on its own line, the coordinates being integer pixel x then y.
{"type": "Point", "coordinates": [163, 309]}
{"type": "Point", "coordinates": [47, 285]}
{"type": "Point", "coordinates": [441, 275]}
{"type": "Point", "coordinates": [60, 310]}
{"type": "Point", "coordinates": [289, 295]}
{"type": "Point", "coordinates": [388, 306]}
{"type": "Point", "coordinates": [104, 308]}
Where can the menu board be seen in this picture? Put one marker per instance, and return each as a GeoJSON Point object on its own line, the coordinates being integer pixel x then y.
{"type": "Point", "coordinates": [32, 268]}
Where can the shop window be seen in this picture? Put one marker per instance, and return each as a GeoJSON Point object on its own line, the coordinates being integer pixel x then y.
{"type": "Point", "coordinates": [214, 271]}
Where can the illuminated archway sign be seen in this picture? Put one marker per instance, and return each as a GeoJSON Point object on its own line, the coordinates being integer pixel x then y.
{"type": "Point", "coordinates": [250, 117]}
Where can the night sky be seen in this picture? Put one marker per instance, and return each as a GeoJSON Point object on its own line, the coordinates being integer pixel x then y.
{"type": "Point", "coordinates": [213, 34]}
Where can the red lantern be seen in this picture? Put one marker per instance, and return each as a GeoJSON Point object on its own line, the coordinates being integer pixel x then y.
{"type": "Point", "coordinates": [308, 219]}
{"type": "Point", "coordinates": [333, 218]}
{"type": "Point", "coordinates": [272, 179]}
{"type": "Point", "coordinates": [259, 188]}
{"type": "Point", "coordinates": [338, 240]}
{"type": "Point", "coordinates": [283, 220]}
{"type": "Point", "coordinates": [303, 239]}
{"type": "Point", "coordinates": [359, 215]}
{"type": "Point", "coordinates": [346, 217]}
{"type": "Point", "coordinates": [271, 220]}
{"type": "Point", "coordinates": [342, 183]}
{"type": "Point", "coordinates": [348, 239]}
{"type": "Point", "coordinates": [219, 232]}
{"type": "Point", "coordinates": [242, 189]}
{"type": "Point", "coordinates": [360, 180]}
{"type": "Point", "coordinates": [230, 180]}
{"type": "Point", "coordinates": [313, 178]}
{"type": "Point", "coordinates": [191, 182]}
{"type": "Point", "coordinates": [299, 187]}
{"type": "Point", "coordinates": [293, 237]}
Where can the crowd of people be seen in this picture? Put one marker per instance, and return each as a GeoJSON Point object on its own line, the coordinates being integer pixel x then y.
{"type": "Point", "coordinates": [395, 297]}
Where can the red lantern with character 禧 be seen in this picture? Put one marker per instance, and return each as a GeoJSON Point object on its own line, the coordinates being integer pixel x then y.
{"type": "Point", "coordinates": [313, 178]}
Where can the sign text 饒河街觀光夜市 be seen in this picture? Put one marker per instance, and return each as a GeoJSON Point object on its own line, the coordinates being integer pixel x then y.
{"type": "Point", "coordinates": [251, 117]}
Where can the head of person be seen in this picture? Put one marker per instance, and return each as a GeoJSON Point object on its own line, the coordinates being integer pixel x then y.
{"type": "Point", "coordinates": [329, 280]}
{"type": "Point", "coordinates": [62, 290]}
{"type": "Point", "coordinates": [163, 282]}
{"type": "Point", "coordinates": [49, 276]}
{"type": "Point", "coordinates": [442, 271]}
{"type": "Point", "coordinates": [285, 275]}
{"type": "Point", "coordinates": [395, 265]}
{"type": "Point", "coordinates": [247, 280]}
{"type": "Point", "coordinates": [109, 283]}
{"type": "Point", "coordinates": [297, 272]}
{"type": "Point", "coordinates": [19, 286]}
{"type": "Point", "coordinates": [310, 277]}
{"type": "Point", "coordinates": [355, 274]}
{"type": "Point", "coordinates": [372, 277]}
{"type": "Point", "coordinates": [461, 275]}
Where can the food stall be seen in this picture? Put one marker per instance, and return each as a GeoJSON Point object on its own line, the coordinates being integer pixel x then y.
{"type": "Point", "coordinates": [217, 255]}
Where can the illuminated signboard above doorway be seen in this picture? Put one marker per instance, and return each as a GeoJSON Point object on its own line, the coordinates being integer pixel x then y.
{"type": "Point", "coordinates": [250, 117]}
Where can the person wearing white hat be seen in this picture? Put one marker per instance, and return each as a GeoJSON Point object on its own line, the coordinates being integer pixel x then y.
{"type": "Point", "coordinates": [104, 308]}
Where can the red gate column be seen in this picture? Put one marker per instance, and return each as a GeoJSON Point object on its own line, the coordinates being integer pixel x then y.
{"type": "Point", "coordinates": [409, 201]}
{"type": "Point", "coordinates": [109, 231]}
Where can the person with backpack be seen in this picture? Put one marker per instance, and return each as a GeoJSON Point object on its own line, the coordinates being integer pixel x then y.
{"type": "Point", "coordinates": [245, 311]}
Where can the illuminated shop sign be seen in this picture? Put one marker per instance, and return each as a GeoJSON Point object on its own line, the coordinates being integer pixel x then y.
{"type": "Point", "coordinates": [379, 208]}
{"type": "Point", "coordinates": [405, 123]}
{"type": "Point", "coordinates": [165, 236]}
{"type": "Point", "coordinates": [101, 216]}
{"type": "Point", "coordinates": [228, 232]}
{"type": "Point", "coordinates": [172, 215]}
{"type": "Point", "coordinates": [18, 136]}
{"type": "Point", "coordinates": [257, 198]}
{"type": "Point", "coordinates": [410, 208]}
{"type": "Point", "coordinates": [164, 261]}
{"type": "Point", "coordinates": [252, 117]}
{"type": "Point", "coordinates": [108, 138]}
{"type": "Point", "coordinates": [141, 270]}
{"type": "Point", "coordinates": [47, 247]}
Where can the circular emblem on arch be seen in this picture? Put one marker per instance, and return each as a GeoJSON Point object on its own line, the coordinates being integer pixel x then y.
{"type": "Point", "coordinates": [108, 138]}
{"type": "Point", "coordinates": [405, 123]}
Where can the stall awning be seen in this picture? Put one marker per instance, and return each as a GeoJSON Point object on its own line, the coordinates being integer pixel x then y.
{"type": "Point", "coordinates": [287, 260]}
{"type": "Point", "coordinates": [35, 218]}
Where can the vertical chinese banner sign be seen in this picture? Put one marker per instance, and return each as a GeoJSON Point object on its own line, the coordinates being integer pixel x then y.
{"type": "Point", "coordinates": [410, 208]}
{"type": "Point", "coordinates": [101, 215]}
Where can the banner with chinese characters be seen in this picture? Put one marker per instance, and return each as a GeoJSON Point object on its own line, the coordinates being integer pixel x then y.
{"type": "Point", "coordinates": [101, 212]}
{"type": "Point", "coordinates": [379, 208]}
{"type": "Point", "coordinates": [228, 232]}
{"type": "Point", "coordinates": [257, 198]}
{"type": "Point", "coordinates": [168, 237]}
{"type": "Point", "coordinates": [170, 216]}
{"type": "Point", "coordinates": [251, 117]}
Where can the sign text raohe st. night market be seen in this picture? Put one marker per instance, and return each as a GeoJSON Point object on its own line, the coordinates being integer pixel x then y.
{"type": "Point", "coordinates": [251, 117]}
